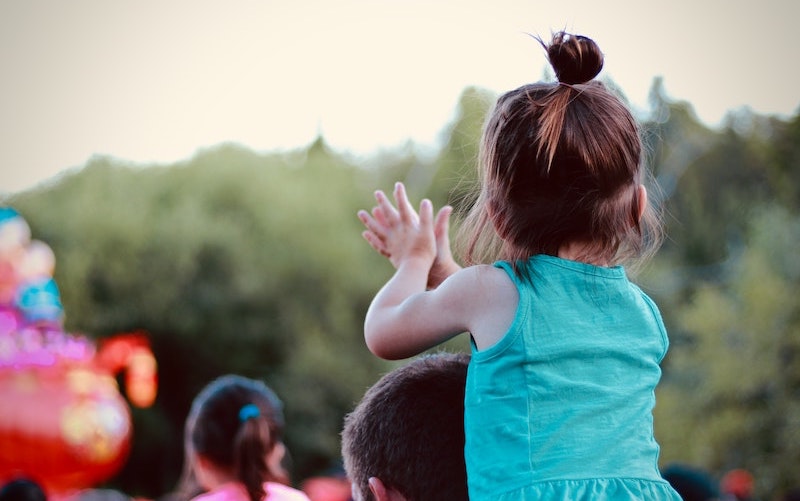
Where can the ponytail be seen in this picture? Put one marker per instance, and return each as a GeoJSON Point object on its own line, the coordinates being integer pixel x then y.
{"type": "Point", "coordinates": [575, 59]}
{"type": "Point", "coordinates": [252, 444]}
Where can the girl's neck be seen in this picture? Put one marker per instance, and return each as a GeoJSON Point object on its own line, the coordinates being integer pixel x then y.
{"type": "Point", "coordinates": [582, 252]}
{"type": "Point", "coordinates": [211, 476]}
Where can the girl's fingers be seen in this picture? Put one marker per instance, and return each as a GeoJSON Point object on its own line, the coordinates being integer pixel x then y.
{"type": "Point", "coordinates": [388, 211]}
{"type": "Point", "coordinates": [384, 217]}
{"type": "Point", "coordinates": [441, 228]}
{"type": "Point", "coordinates": [426, 214]}
{"type": "Point", "coordinates": [375, 242]}
{"type": "Point", "coordinates": [404, 208]}
{"type": "Point", "coordinates": [442, 223]}
{"type": "Point", "coordinates": [380, 216]}
{"type": "Point", "coordinates": [372, 224]}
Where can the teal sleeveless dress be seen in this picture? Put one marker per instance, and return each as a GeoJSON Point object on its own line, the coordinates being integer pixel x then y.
{"type": "Point", "coordinates": [561, 407]}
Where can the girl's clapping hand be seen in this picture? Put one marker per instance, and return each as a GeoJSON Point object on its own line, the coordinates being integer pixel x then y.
{"type": "Point", "coordinates": [398, 232]}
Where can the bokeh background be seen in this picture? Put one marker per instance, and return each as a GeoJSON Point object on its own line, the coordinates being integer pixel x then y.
{"type": "Point", "coordinates": [196, 169]}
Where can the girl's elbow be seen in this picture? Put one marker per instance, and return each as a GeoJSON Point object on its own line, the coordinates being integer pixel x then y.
{"type": "Point", "coordinates": [380, 343]}
{"type": "Point", "coordinates": [384, 353]}
{"type": "Point", "coordinates": [379, 347]}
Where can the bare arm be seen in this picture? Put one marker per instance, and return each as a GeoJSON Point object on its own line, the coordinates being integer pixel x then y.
{"type": "Point", "coordinates": [412, 242]}
{"type": "Point", "coordinates": [480, 300]}
{"type": "Point", "coordinates": [405, 317]}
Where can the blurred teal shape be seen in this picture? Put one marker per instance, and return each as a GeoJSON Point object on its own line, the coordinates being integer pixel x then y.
{"type": "Point", "coordinates": [40, 301]}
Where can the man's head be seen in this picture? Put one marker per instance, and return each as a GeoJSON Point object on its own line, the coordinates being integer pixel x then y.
{"type": "Point", "coordinates": [405, 439]}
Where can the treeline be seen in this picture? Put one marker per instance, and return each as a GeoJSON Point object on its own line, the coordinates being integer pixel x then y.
{"type": "Point", "coordinates": [236, 261]}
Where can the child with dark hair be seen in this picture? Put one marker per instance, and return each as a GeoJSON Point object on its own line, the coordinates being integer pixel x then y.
{"type": "Point", "coordinates": [22, 489]}
{"type": "Point", "coordinates": [692, 483]}
{"type": "Point", "coordinates": [565, 349]}
{"type": "Point", "coordinates": [234, 447]}
{"type": "Point", "coordinates": [405, 440]}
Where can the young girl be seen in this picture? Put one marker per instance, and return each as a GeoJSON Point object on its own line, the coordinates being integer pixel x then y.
{"type": "Point", "coordinates": [233, 444]}
{"type": "Point", "coordinates": [565, 350]}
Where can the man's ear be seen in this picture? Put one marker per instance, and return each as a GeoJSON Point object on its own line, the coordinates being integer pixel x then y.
{"type": "Point", "coordinates": [382, 493]}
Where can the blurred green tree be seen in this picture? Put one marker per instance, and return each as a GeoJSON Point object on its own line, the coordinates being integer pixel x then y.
{"type": "Point", "coordinates": [731, 397]}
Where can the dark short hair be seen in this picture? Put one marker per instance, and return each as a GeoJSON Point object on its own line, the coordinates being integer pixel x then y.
{"type": "Point", "coordinates": [22, 489]}
{"type": "Point", "coordinates": [693, 484]}
{"type": "Point", "coordinates": [408, 431]}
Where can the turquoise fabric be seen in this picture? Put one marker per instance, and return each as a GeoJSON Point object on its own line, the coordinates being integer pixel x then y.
{"type": "Point", "coordinates": [561, 407]}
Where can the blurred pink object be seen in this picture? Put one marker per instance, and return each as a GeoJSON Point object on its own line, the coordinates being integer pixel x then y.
{"type": "Point", "coordinates": [63, 420]}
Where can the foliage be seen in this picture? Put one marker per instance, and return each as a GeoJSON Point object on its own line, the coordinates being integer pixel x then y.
{"type": "Point", "coordinates": [726, 282]}
{"type": "Point", "coordinates": [733, 392]}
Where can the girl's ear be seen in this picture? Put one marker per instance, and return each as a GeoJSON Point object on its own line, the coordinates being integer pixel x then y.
{"type": "Point", "coordinates": [204, 471]}
{"type": "Point", "coordinates": [275, 456]}
{"type": "Point", "coordinates": [275, 461]}
{"type": "Point", "coordinates": [641, 199]}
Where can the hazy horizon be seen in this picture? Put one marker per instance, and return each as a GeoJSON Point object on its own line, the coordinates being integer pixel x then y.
{"type": "Point", "coordinates": [154, 82]}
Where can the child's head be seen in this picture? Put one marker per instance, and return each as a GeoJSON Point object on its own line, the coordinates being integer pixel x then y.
{"type": "Point", "coordinates": [408, 431]}
{"type": "Point", "coordinates": [235, 426]}
{"type": "Point", "coordinates": [22, 489]}
{"type": "Point", "coordinates": [561, 164]}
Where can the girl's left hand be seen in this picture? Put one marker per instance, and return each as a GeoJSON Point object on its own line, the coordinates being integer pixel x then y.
{"type": "Point", "coordinates": [387, 234]}
{"type": "Point", "coordinates": [395, 232]}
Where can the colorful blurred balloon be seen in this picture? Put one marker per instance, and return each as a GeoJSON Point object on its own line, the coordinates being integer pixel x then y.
{"type": "Point", "coordinates": [63, 420]}
{"type": "Point", "coordinates": [14, 236]}
{"type": "Point", "coordinates": [67, 428]}
{"type": "Point", "coordinates": [40, 301]}
{"type": "Point", "coordinates": [37, 262]}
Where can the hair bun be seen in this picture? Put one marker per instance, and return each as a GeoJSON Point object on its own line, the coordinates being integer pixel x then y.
{"type": "Point", "coordinates": [575, 59]}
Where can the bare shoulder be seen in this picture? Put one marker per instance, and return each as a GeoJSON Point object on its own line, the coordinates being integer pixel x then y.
{"type": "Point", "coordinates": [489, 301]}
{"type": "Point", "coordinates": [485, 279]}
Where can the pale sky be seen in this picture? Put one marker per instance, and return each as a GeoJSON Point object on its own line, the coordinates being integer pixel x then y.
{"type": "Point", "coordinates": [153, 81]}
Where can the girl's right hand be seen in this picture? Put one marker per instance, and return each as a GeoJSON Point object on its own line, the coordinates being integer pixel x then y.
{"type": "Point", "coordinates": [443, 265]}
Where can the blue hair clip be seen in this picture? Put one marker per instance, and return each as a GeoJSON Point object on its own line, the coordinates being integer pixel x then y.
{"type": "Point", "coordinates": [248, 411]}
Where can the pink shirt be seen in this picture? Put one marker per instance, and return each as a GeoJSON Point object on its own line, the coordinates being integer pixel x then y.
{"type": "Point", "coordinates": [236, 492]}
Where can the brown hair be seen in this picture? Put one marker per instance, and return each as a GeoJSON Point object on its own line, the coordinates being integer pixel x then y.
{"type": "Point", "coordinates": [408, 431]}
{"type": "Point", "coordinates": [561, 163]}
{"type": "Point", "coordinates": [235, 422]}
